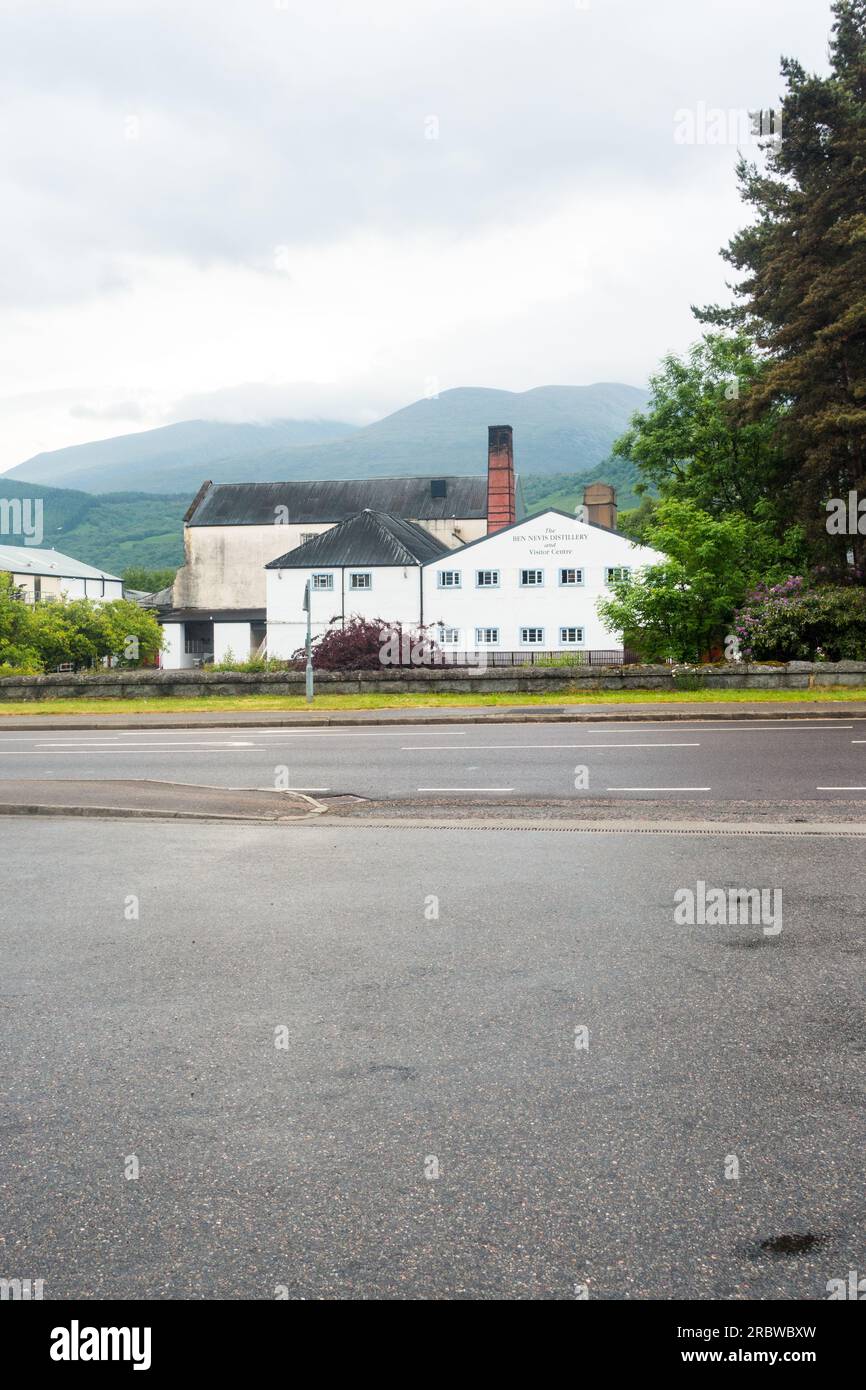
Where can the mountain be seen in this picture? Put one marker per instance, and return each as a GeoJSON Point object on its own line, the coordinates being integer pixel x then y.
{"type": "Point", "coordinates": [111, 531]}
{"type": "Point", "coordinates": [557, 430]}
{"type": "Point", "coordinates": [143, 483]}
{"type": "Point", "coordinates": [172, 459]}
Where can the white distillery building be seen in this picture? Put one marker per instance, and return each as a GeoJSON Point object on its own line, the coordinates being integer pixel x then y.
{"type": "Point", "coordinates": [531, 586]}
{"type": "Point", "coordinates": [46, 574]}
{"type": "Point", "coordinates": [370, 566]}
{"type": "Point", "coordinates": [232, 531]}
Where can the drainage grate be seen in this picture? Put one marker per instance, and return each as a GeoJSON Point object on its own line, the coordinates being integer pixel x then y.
{"type": "Point", "coordinates": [613, 828]}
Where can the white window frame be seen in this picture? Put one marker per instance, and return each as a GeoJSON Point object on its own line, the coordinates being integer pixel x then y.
{"type": "Point", "coordinates": [612, 572]}
{"type": "Point", "coordinates": [577, 641]}
{"type": "Point", "coordinates": [360, 588]}
{"type": "Point", "coordinates": [494, 583]}
{"type": "Point", "coordinates": [530, 642]}
{"type": "Point", "coordinates": [317, 587]}
{"type": "Point", "coordinates": [525, 583]}
{"type": "Point", "coordinates": [308, 536]}
{"type": "Point", "coordinates": [576, 570]}
{"type": "Point", "coordinates": [449, 636]}
{"type": "Point", "coordinates": [482, 641]}
{"type": "Point", "coordinates": [448, 579]}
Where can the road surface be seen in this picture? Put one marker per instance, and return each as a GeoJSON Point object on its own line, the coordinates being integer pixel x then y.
{"type": "Point", "coordinates": [809, 759]}
{"type": "Point", "coordinates": [288, 1032]}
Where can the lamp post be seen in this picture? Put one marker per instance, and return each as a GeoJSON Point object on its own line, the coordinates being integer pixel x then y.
{"type": "Point", "coordinates": [309, 643]}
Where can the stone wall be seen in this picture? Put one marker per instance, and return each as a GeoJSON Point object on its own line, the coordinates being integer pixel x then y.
{"type": "Point", "coordinates": [793, 675]}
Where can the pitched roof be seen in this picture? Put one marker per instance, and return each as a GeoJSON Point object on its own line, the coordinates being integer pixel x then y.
{"type": "Point", "coordinates": [524, 520]}
{"type": "Point", "coordinates": [254, 504]}
{"type": "Point", "coordinates": [21, 558]}
{"type": "Point", "coordinates": [367, 538]}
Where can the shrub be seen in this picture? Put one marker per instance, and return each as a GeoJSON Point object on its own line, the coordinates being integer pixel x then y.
{"type": "Point", "coordinates": [362, 645]}
{"type": "Point", "coordinates": [253, 663]}
{"type": "Point", "coordinates": [793, 622]}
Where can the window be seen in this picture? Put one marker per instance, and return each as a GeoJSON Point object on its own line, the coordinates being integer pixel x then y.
{"type": "Point", "coordinates": [487, 579]}
{"type": "Point", "coordinates": [614, 572]}
{"type": "Point", "coordinates": [570, 636]}
{"type": "Point", "coordinates": [448, 579]}
{"type": "Point", "coordinates": [438, 487]}
{"type": "Point", "coordinates": [363, 580]}
{"type": "Point", "coordinates": [571, 576]}
{"type": "Point", "coordinates": [448, 636]}
{"type": "Point", "coordinates": [323, 581]}
{"type": "Point", "coordinates": [37, 587]}
{"type": "Point", "coordinates": [308, 536]}
{"type": "Point", "coordinates": [532, 636]}
{"type": "Point", "coordinates": [528, 578]}
{"type": "Point", "coordinates": [486, 636]}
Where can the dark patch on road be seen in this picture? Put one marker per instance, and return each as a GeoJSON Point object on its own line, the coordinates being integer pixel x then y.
{"type": "Point", "coordinates": [400, 1072]}
{"type": "Point", "coordinates": [791, 1243]}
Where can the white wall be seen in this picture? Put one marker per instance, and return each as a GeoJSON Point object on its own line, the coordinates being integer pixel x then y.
{"type": "Point", "coordinates": [233, 639]}
{"type": "Point", "coordinates": [395, 596]}
{"type": "Point", "coordinates": [225, 565]}
{"type": "Point", "coordinates": [173, 657]}
{"type": "Point", "coordinates": [549, 542]}
{"type": "Point", "coordinates": [59, 587]}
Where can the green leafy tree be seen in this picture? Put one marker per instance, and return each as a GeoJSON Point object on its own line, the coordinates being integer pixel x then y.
{"type": "Point", "coordinates": [18, 650]}
{"type": "Point", "coordinates": [84, 633]}
{"type": "Point", "coordinates": [682, 608]}
{"type": "Point", "coordinates": [149, 581]}
{"type": "Point", "coordinates": [697, 440]}
{"type": "Point", "coordinates": [802, 295]}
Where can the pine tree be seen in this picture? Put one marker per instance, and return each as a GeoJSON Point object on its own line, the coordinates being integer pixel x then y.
{"type": "Point", "coordinates": [803, 292]}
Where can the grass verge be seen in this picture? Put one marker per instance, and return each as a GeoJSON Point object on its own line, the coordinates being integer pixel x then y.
{"type": "Point", "coordinates": [229, 703]}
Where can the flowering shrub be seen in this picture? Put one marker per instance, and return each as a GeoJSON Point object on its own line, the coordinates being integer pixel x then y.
{"type": "Point", "coordinates": [365, 644]}
{"type": "Point", "coordinates": [793, 622]}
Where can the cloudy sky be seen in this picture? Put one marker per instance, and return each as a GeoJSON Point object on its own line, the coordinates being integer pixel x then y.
{"type": "Point", "coordinates": [243, 209]}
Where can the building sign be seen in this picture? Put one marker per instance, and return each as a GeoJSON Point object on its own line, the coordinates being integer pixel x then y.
{"type": "Point", "coordinates": [549, 541]}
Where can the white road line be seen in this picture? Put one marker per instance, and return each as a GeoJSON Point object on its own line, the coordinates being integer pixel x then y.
{"type": "Point", "coordinates": [465, 789]}
{"type": "Point", "coordinates": [840, 789]}
{"type": "Point", "coordinates": [480, 747]}
{"type": "Point", "coordinates": [659, 789]}
{"type": "Point", "coordinates": [89, 747]}
{"type": "Point", "coordinates": [52, 751]}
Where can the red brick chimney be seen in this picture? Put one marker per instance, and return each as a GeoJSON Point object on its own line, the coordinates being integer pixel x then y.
{"type": "Point", "coordinates": [500, 478]}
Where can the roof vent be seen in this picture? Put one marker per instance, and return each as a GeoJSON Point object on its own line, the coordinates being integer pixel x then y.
{"type": "Point", "coordinates": [438, 487]}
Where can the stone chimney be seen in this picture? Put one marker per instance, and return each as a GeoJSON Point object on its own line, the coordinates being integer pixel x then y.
{"type": "Point", "coordinates": [500, 478]}
{"type": "Point", "coordinates": [599, 500]}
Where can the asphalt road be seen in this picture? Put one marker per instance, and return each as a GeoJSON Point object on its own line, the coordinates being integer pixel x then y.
{"type": "Point", "coordinates": [804, 759]}
{"type": "Point", "coordinates": [414, 1045]}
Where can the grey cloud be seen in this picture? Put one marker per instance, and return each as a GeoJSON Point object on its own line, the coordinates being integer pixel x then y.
{"type": "Point", "coordinates": [217, 131]}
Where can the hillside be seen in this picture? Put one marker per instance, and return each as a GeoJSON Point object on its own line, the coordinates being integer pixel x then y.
{"type": "Point", "coordinates": [172, 459]}
{"type": "Point", "coordinates": [557, 430]}
{"type": "Point", "coordinates": [110, 531]}
{"type": "Point", "coordinates": [565, 490]}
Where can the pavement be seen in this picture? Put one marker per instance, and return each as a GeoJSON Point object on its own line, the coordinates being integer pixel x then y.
{"type": "Point", "coordinates": [352, 1064]}
{"type": "Point", "coordinates": [454, 714]}
{"type": "Point", "coordinates": [142, 798]}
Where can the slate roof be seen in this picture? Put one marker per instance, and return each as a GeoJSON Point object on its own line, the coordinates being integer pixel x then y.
{"type": "Point", "coordinates": [367, 538]}
{"type": "Point", "coordinates": [253, 504]}
{"type": "Point", "coordinates": [20, 558]}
